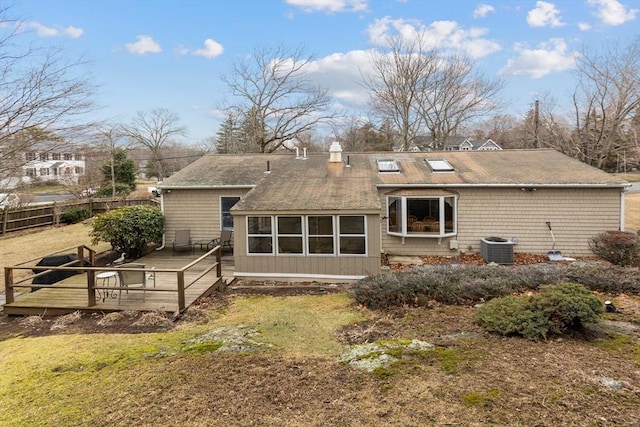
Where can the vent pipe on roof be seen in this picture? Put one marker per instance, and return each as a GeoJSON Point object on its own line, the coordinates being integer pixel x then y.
{"type": "Point", "coordinates": [304, 152]}
{"type": "Point", "coordinates": [335, 152]}
{"type": "Point", "coordinates": [348, 162]}
{"type": "Point", "coordinates": [268, 167]}
{"type": "Point", "coordinates": [297, 152]}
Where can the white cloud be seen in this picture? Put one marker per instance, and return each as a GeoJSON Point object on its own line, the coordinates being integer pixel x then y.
{"type": "Point", "coordinates": [211, 49]}
{"type": "Point", "coordinates": [341, 72]}
{"type": "Point", "coordinates": [144, 45]}
{"type": "Point", "coordinates": [44, 31]}
{"type": "Point", "coordinates": [545, 14]}
{"type": "Point", "coordinates": [584, 26]}
{"type": "Point", "coordinates": [442, 34]}
{"type": "Point", "coordinates": [550, 57]}
{"type": "Point", "coordinates": [483, 10]}
{"type": "Point", "coordinates": [612, 12]}
{"type": "Point", "coordinates": [330, 6]}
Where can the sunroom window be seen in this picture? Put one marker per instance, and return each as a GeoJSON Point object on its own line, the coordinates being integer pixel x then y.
{"type": "Point", "coordinates": [421, 216]}
{"type": "Point", "coordinates": [259, 235]}
{"type": "Point", "coordinates": [290, 235]}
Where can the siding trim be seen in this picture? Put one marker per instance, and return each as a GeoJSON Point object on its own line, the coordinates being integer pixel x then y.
{"type": "Point", "coordinates": [299, 276]}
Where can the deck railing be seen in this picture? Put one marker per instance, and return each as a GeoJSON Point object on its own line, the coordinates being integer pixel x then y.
{"type": "Point", "coordinates": [87, 265]}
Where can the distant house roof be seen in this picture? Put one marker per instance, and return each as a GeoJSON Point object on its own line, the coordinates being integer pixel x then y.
{"type": "Point", "coordinates": [280, 182]}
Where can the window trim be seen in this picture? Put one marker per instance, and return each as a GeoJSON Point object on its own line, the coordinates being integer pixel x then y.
{"type": "Point", "coordinates": [271, 235]}
{"type": "Point", "coordinates": [336, 235]}
{"type": "Point", "coordinates": [332, 236]}
{"type": "Point", "coordinates": [403, 228]}
{"type": "Point", "coordinates": [301, 235]}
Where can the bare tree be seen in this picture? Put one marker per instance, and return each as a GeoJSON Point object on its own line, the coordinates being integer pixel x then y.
{"type": "Point", "coordinates": [153, 130]}
{"type": "Point", "coordinates": [424, 90]}
{"type": "Point", "coordinates": [276, 101]}
{"type": "Point", "coordinates": [42, 97]}
{"type": "Point", "coordinates": [454, 95]}
{"type": "Point", "coordinates": [110, 137]}
{"type": "Point", "coordinates": [398, 74]}
{"type": "Point", "coordinates": [605, 101]}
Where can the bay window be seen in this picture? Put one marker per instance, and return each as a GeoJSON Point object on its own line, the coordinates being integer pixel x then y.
{"type": "Point", "coordinates": [421, 216]}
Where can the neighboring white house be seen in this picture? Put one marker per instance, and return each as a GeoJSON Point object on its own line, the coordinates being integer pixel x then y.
{"type": "Point", "coordinates": [46, 163]}
{"type": "Point", "coordinates": [468, 145]}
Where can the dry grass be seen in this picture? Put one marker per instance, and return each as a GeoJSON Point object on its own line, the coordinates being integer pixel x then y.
{"type": "Point", "coordinates": [20, 247]}
{"type": "Point", "coordinates": [632, 211]}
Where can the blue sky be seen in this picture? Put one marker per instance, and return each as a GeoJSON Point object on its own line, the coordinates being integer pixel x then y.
{"type": "Point", "coordinates": [171, 54]}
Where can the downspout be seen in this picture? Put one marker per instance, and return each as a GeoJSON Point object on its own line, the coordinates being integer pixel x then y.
{"type": "Point", "coordinates": [164, 235]}
{"type": "Point", "coordinates": [622, 210]}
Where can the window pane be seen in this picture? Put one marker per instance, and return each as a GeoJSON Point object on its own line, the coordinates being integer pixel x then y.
{"type": "Point", "coordinates": [226, 203]}
{"type": "Point", "coordinates": [449, 203]}
{"type": "Point", "coordinates": [352, 245]}
{"type": "Point", "coordinates": [320, 225]}
{"type": "Point", "coordinates": [290, 245]}
{"type": "Point", "coordinates": [351, 225]}
{"type": "Point", "coordinates": [289, 225]}
{"type": "Point", "coordinates": [395, 214]}
{"type": "Point", "coordinates": [320, 245]}
{"type": "Point", "coordinates": [259, 225]}
{"type": "Point", "coordinates": [260, 245]}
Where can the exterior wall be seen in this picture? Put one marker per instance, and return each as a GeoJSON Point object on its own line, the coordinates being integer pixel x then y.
{"type": "Point", "coordinates": [575, 215]}
{"type": "Point", "coordinates": [311, 267]}
{"type": "Point", "coordinates": [196, 210]}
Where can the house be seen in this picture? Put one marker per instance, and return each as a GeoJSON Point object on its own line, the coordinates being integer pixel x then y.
{"type": "Point", "coordinates": [333, 216]}
{"type": "Point", "coordinates": [466, 144]}
{"type": "Point", "coordinates": [48, 162]}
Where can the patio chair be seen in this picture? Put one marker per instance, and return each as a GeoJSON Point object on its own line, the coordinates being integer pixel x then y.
{"type": "Point", "coordinates": [182, 241]}
{"type": "Point", "coordinates": [225, 240]}
{"type": "Point", "coordinates": [133, 279]}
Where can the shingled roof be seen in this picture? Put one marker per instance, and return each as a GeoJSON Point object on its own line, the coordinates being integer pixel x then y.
{"type": "Point", "coordinates": [282, 182]}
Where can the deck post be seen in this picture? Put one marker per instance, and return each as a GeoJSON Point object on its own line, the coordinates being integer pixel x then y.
{"type": "Point", "coordinates": [8, 284]}
{"type": "Point", "coordinates": [91, 284]}
{"type": "Point", "coordinates": [219, 261]}
{"type": "Point", "coordinates": [181, 296]}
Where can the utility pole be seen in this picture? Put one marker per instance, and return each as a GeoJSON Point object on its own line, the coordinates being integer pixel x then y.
{"type": "Point", "coordinates": [536, 122]}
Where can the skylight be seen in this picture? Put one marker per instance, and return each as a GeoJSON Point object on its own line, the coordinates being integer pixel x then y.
{"type": "Point", "coordinates": [439, 165]}
{"type": "Point", "coordinates": [387, 165]}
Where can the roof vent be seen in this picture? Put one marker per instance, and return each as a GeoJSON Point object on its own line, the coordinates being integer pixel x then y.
{"type": "Point", "coordinates": [335, 152]}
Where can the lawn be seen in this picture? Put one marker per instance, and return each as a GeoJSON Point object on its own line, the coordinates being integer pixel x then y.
{"type": "Point", "coordinates": [241, 360]}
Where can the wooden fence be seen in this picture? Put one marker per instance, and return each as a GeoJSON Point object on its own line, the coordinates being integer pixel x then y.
{"type": "Point", "coordinates": [22, 218]}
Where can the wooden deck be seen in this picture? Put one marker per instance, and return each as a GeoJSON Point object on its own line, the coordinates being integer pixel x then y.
{"type": "Point", "coordinates": [72, 294]}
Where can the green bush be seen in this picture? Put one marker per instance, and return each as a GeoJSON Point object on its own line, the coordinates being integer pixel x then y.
{"type": "Point", "coordinates": [129, 229]}
{"type": "Point", "coordinates": [555, 309]}
{"type": "Point", "coordinates": [107, 191]}
{"type": "Point", "coordinates": [618, 247]}
{"type": "Point", "coordinates": [74, 215]}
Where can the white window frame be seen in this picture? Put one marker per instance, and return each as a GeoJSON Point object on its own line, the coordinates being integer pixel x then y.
{"type": "Point", "coordinates": [332, 236]}
{"type": "Point", "coordinates": [271, 235]}
{"type": "Point", "coordinates": [335, 236]}
{"type": "Point", "coordinates": [364, 235]}
{"type": "Point", "coordinates": [403, 226]}
{"type": "Point", "coordinates": [300, 235]}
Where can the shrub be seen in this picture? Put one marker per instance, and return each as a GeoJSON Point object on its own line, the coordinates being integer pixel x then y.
{"type": "Point", "coordinates": [129, 229]}
{"type": "Point", "coordinates": [74, 215]}
{"type": "Point", "coordinates": [555, 309]}
{"type": "Point", "coordinates": [618, 247]}
{"type": "Point", "coordinates": [473, 284]}
{"type": "Point", "coordinates": [107, 191]}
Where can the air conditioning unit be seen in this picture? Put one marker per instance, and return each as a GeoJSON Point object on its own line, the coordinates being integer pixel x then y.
{"type": "Point", "coordinates": [497, 249]}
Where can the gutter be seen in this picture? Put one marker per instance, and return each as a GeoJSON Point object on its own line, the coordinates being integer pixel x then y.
{"type": "Point", "coordinates": [164, 235]}
{"type": "Point", "coordinates": [445, 185]}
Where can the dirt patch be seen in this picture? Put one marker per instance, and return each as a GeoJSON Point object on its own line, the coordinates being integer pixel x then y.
{"type": "Point", "coordinates": [124, 322]}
